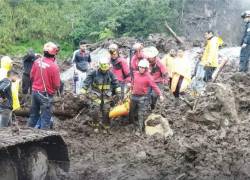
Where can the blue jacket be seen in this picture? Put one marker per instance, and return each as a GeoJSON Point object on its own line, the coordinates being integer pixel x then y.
{"type": "Point", "coordinates": [246, 37]}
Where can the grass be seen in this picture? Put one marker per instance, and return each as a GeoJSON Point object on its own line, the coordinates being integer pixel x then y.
{"type": "Point", "coordinates": [19, 49]}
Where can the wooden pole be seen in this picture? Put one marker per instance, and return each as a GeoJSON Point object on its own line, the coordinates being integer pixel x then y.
{"type": "Point", "coordinates": [178, 39]}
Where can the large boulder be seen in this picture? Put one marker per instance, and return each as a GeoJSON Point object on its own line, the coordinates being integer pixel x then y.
{"type": "Point", "coordinates": [157, 124]}
{"type": "Point", "coordinates": [216, 108]}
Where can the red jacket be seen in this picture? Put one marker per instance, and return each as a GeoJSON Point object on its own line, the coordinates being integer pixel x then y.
{"type": "Point", "coordinates": [158, 71]}
{"type": "Point", "coordinates": [142, 82]}
{"type": "Point", "coordinates": [50, 72]}
{"type": "Point", "coordinates": [120, 69]}
{"type": "Point", "coordinates": [135, 60]}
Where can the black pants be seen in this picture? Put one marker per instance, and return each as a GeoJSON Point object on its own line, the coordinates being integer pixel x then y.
{"type": "Point", "coordinates": [208, 73]}
{"type": "Point", "coordinates": [138, 108]}
{"type": "Point", "coordinates": [244, 58]}
{"type": "Point", "coordinates": [40, 111]}
{"type": "Point", "coordinates": [26, 84]}
{"type": "Point", "coordinates": [153, 96]}
{"type": "Point", "coordinates": [100, 113]}
{"type": "Point", "coordinates": [178, 87]}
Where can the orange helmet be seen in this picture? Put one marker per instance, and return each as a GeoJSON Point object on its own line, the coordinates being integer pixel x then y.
{"type": "Point", "coordinates": [51, 48]}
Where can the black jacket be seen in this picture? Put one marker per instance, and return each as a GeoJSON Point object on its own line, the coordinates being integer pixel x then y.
{"type": "Point", "coordinates": [101, 82]}
{"type": "Point", "coordinates": [28, 62]}
{"type": "Point", "coordinates": [5, 94]}
{"type": "Point", "coordinates": [82, 60]}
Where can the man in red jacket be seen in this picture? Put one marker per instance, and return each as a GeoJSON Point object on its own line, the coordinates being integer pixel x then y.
{"type": "Point", "coordinates": [157, 71]}
{"type": "Point", "coordinates": [119, 68]}
{"type": "Point", "coordinates": [138, 55]}
{"type": "Point", "coordinates": [139, 98]}
{"type": "Point", "coordinates": [45, 77]}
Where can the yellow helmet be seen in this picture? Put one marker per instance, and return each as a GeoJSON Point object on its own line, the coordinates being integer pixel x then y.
{"type": "Point", "coordinates": [6, 63]}
{"type": "Point", "coordinates": [104, 63]}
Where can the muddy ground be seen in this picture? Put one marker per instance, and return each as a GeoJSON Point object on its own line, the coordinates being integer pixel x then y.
{"type": "Point", "coordinates": [209, 142]}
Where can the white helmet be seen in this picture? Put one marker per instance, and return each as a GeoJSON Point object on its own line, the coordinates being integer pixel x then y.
{"type": "Point", "coordinates": [104, 60]}
{"type": "Point", "coordinates": [150, 52]}
{"type": "Point", "coordinates": [143, 63]}
{"type": "Point", "coordinates": [245, 14]}
{"type": "Point", "coordinates": [113, 47]}
{"type": "Point", "coordinates": [137, 46]}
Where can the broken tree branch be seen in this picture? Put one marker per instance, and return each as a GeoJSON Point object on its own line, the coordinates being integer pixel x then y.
{"type": "Point", "coordinates": [178, 39]}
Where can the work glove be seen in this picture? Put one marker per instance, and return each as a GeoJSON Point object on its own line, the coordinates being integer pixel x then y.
{"type": "Point", "coordinates": [161, 98]}
{"type": "Point", "coordinates": [118, 90]}
{"type": "Point", "coordinates": [244, 45]}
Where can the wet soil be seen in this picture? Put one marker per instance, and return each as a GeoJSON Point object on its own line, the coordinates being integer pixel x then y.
{"type": "Point", "coordinates": [209, 142]}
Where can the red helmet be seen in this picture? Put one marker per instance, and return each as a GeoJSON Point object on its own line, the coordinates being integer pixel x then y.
{"type": "Point", "coordinates": [51, 48]}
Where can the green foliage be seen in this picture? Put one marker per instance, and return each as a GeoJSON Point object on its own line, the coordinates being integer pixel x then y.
{"type": "Point", "coordinates": [30, 23]}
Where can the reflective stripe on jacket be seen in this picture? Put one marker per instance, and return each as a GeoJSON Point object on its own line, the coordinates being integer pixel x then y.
{"type": "Point", "coordinates": [101, 82]}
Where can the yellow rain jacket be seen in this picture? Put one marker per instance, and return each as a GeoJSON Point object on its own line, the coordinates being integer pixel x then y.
{"type": "Point", "coordinates": [6, 65]}
{"type": "Point", "coordinates": [181, 67]}
{"type": "Point", "coordinates": [14, 91]}
{"type": "Point", "coordinates": [210, 55]}
{"type": "Point", "coordinates": [168, 61]}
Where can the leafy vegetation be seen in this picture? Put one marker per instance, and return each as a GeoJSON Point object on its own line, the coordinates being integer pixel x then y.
{"type": "Point", "coordinates": [30, 23]}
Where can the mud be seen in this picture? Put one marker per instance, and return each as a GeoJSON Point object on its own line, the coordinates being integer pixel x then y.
{"type": "Point", "coordinates": [212, 143]}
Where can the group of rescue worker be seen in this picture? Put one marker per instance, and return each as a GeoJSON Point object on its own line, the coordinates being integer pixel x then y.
{"type": "Point", "coordinates": [140, 81]}
{"type": "Point", "coordinates": [110, 82]}
{"type": "Point", "coordinates": [41, 77]}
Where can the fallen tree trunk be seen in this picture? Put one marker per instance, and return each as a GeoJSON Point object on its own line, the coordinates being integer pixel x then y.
{"type": "Point", "coordinates": [219, 69]}
{"type": "Point", "coordinates": [58, 113]}
{"type": "Point", "coordinates": [178, 39]}
{"type": "Point", "coordinates": [65, 106]}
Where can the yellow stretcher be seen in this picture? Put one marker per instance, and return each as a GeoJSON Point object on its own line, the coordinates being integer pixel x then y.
{"type": "Point", "coordinates": [120, 109]}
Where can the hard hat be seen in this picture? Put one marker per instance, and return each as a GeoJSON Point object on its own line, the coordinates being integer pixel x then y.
{"type": "Point", "coordinates": [6, 62]}
{"type": "Point", "coordinates": [137, 46]}
{"type": "Point", "coordinates": [51, 48]}
{"type": "Point", "coordinates": [113, 47]}
{"type": "Point", "coordinates": [143, 63]}
{"type": "Point", "coordinates": [245, 14]}
{"type": "Point", "coordinates": [7, 59]}
{"type": "Point", "coordinates": [150, 52]}
{"type": "Point", "coordinates": [104, 63]}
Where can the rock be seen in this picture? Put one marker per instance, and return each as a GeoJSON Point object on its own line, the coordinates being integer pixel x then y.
{"type": "Point", "coordinates": [216, 108]}
{"type": "Point", "coordinates": [156, 124]}
{"type": "Point", "coordinates": [141, 155]}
